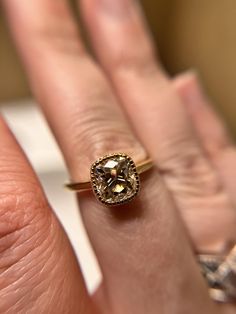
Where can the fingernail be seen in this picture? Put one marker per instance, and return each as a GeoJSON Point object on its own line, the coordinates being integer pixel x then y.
{"type": "Point", "coordinates": [117, 8]}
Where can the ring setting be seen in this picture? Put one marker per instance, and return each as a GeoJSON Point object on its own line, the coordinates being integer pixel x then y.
{"type": "Point", "coordinates": [114, 179]}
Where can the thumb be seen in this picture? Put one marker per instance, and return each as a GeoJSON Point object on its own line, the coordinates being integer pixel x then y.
{"type": "Point", "coordinates": [38, 269]}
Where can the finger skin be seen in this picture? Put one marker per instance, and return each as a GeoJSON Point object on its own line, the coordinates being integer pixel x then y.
{"type": "Point", "coordinates": [34, 250]}
{"type": "Point", "coordinates": [76, 99]}
{"type": "Point", "coordinates": [86, 118]}
{"type": "Point", "coordinates": [211, 130]}
{"type": "Point", "coordinates": [160, 119]}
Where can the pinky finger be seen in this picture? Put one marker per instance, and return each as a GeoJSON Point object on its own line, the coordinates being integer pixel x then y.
{"type": "Point", "coordinates": [210, 129]}
{"type": "Point", "coordinates": [38, 270]}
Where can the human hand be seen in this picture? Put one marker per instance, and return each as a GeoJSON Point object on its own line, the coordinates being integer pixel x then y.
{"type": "Point", "coordinates": [123, 103]}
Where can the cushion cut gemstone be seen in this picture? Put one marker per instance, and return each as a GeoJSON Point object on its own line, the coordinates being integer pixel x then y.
{"type": "Point", "coordinates": [115, 179]}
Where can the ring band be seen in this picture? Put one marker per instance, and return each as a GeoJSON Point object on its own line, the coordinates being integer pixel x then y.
{"type": "Point", "coordinates": [220, 273]}
{"type": "Point", "coordinates": [115, 178]}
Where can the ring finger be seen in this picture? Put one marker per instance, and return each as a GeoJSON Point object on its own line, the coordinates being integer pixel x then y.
{"type": "Point", "coordinates": [160, 119]}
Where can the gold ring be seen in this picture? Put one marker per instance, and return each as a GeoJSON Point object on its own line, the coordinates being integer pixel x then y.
{"type": "Point", "coordinates": [114, 180]}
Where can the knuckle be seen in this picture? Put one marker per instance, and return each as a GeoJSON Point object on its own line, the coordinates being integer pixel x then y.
{"type": "Point", "coordinates": [99, 127]}
{"type": "Point", "coordinates": [18, 205]}
{"type": "Point", "coordinates": [189, 172]}
{"type": "Point", "coordinates": [99, 131]}
{"type": "Point", "coordinates": [97, 137]}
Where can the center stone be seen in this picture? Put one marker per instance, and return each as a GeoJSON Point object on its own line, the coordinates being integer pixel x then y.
{"type": "Point", "coordinates": [115, 179]}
